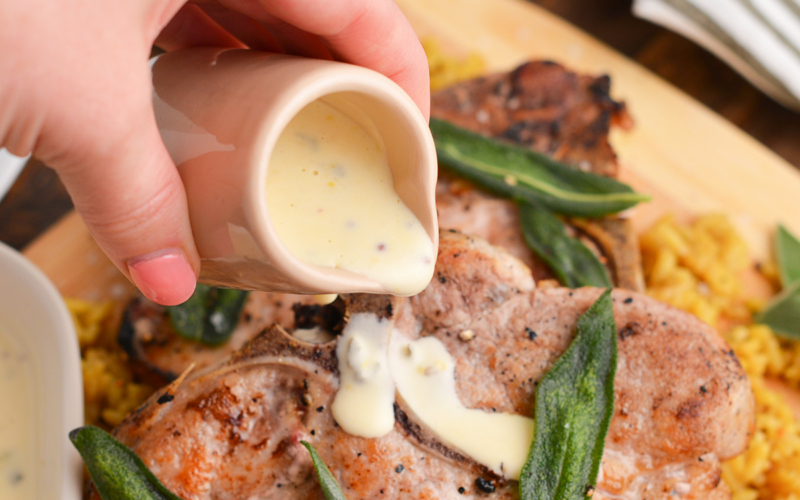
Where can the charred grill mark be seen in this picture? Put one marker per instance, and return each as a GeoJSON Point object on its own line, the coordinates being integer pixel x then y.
{"type": "Point", "coordinates": [223, 406]}
{"type": "Point", "coordinates": [542, 105]}
{"type": "Point", "coordinates": [600, 88]}
{"type": "Point", "coordinates": [140, 326]}
{"type": "Point", "coordinates": [598, 128]}
{"type": "Point", "coordinates": [220, 404]}
{"type": "Point", "coordinates": [629, 330]}
{"type": "Point", "coordinates": [690, 409]}
{"type": "Point", "coordinates": [485, 485]}
{"type": "Point", "coordinates": [329, 317]}
{"type": "Point", "coordinates": [165, 398]}
{"type": "Point", "coordinates": [381, 305]}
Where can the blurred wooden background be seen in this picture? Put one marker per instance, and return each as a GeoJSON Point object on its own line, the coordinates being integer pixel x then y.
{"type": "Point", "coordinates": [38, 199]}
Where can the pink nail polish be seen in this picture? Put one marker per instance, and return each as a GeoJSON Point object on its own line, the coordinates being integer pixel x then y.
{"type": "Point", "coordinates": [164, 276]}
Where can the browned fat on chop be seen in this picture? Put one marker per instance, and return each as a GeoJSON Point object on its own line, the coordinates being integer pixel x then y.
{"type": "Point", "coordinates": [233, 430]}
{"type": "Point", "coordinates": [152, 344]}
{"type": "Point", "coordinates": [549, 109]}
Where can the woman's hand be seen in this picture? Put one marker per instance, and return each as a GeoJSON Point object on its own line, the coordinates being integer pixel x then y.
{"type": "Point", "coordinates": [75, 90]}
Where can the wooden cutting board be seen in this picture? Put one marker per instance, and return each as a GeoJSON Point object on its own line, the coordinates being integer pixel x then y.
{"type": "Point", "coordinates": [690, 160]}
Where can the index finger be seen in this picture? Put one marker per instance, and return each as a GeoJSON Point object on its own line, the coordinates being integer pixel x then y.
{"type": "Point", "coordinates": [370, 33]}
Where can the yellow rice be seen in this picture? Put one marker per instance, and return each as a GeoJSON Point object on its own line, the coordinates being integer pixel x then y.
{"type": "Point", "coordinates": [109, 386]}
{"type": "Point", "coordinates": [446, 70]}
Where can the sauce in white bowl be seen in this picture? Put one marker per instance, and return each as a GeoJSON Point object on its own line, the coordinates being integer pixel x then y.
{"type": "Point", "coordinates": [17, 430]}
{"type": "Point", "coordinates": [41, 392]}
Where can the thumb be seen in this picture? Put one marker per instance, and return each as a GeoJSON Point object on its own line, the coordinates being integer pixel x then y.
{"type": "Point", "coordinates": [131, 198]}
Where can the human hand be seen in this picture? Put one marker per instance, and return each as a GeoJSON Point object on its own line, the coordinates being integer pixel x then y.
{"type": "Point", "coordinates": [80, 100]}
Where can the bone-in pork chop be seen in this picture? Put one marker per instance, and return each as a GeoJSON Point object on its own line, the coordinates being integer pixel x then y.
{"type": "Point", "coordinates": [232, 431]}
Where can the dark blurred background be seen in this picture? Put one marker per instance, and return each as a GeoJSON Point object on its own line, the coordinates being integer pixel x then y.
{"type": "Point", "coordinates": [38, 199]}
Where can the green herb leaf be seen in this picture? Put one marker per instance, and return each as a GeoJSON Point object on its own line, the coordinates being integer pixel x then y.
{"type": "Point", "coordinates": [326, 480]}
{"type": "Point", "coordinates": [526, 175]}
{"type": "Point", "coordinates": [574, 404]}
{"type": "Point", "coordinates": [571, 261]}
{"type": "Point", "coordinates": [787, 253]}
{"type": "Point", "coordinates": [782, 313]}
{"type": "Point", "coordinates": [210, 314]}
{"type": "Point", "coordinates": [117, 472]}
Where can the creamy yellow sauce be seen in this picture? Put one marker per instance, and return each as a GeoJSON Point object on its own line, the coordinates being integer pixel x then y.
{"type": "Point", "coordinates": [364, 403]}
{"type": "Point", "coordinates": [17, 411]}
{"type": "Point", "coordinates": [375, 361]}
{"type": "Point", "coordinates": [332, 202]}
{"type": "Point", "coordinates": [424, 374]}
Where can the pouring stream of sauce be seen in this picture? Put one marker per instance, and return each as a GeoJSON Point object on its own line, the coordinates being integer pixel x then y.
{"type": "Point", "coordinates": [364, 403]}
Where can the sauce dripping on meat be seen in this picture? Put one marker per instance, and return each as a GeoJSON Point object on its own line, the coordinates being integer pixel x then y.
{"type": "Point", "coordinates": [374, 359]}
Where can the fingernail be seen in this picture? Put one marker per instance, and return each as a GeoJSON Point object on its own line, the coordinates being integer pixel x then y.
{"type": "Point", "coordinates": [165, 276]}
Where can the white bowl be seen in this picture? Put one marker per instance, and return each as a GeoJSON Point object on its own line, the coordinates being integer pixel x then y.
{"type": "Point", "coordinates": [34, 315]}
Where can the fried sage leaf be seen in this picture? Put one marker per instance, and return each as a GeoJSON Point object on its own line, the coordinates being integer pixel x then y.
{"type": "Point", "coordinates": [326, 480]}
{"type": "Point", "coordinates": [526, 175]}
{"type": "Point", "coordinates": [117, 472]}
{"type": "Point", "coordinates": [782, 313]}
{"type": "Point", "coordinates": [210, 314]}
{"type": "Point", "coordinates": [571, 261]}
{"type": "Point", "coordinates": [574, 404]}
{"type": "Point", "coordinates": [787, 253]}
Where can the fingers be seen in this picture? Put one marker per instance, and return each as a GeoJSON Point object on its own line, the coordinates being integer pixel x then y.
{"type": "Point", "coordinates": [131, 197]}
{"type": "Point", "coordinates": [192, 27]}
{"type": "Point", "coordinates": [296, 41]}
{"type": "Point", "coordinates": [210, 24]}
{"type": "Point", "coordinates": [370, 33]}
{"type": "Point", "coordinates": [248, 30]}
{"type": "Point", "coordinates": [82, 97]}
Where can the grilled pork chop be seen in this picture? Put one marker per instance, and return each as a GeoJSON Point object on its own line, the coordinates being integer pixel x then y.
{"type": "Point", "coordinates": [543, 106]}
{"type": "Point", "coordinates": [232, 431]}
